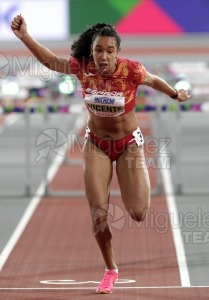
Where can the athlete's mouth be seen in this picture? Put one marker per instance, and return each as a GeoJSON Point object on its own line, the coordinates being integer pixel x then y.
{"type": "Point", "coordinates": [103, 65]}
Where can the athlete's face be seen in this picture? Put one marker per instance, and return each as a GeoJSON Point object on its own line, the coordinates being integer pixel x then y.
{"type": "Point", "coordinates": [104, 50]}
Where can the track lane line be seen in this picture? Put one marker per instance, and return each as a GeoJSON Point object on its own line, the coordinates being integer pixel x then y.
{"type": "Point", "coordinates": [176, 231]}
{"type": "Point", "coordinates": [79, 123]}
{"type": "Point", "coordinates": [115, 287]}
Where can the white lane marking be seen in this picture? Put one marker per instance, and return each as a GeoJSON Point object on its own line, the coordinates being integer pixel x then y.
{"type": "Point", "coordinates": [93, 288]}
{"type": "Point", "coordinates": [72, 281]}
{"type": "Point", "coordinates": [176, 231]}
{"type": "Point", "coordinates": [21, 225]}
{"type": "Point", "coordinates": [79, 123]}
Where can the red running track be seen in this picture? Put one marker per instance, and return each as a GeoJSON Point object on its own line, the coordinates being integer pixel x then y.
{"type": "Point", "coordinates": [57, 246]}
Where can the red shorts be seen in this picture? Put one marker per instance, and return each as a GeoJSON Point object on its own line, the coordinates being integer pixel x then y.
{"type": "Point", "coordinates": [114, 148]}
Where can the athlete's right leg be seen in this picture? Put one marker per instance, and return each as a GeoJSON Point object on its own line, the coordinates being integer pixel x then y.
{"type": "Point", "coordinates": [97, 177]}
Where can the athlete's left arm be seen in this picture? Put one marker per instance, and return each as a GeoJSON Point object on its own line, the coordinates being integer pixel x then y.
{"type": "Point", "coordinates": [161, 85]}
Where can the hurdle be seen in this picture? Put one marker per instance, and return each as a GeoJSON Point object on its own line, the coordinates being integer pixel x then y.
{"type": "Point", "coordinates": [40, 108]}
{"type": "Point", "coordinates": [157, 109]}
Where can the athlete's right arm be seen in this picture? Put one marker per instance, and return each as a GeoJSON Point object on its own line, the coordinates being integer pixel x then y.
{"type": "Point", "coordinates": [43, 54]}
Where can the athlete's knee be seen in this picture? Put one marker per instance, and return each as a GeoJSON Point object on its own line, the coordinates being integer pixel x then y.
{"type": "Point", "coordinates": [99, 220]}
{"type": "Point", "coordinates": [137, 214]}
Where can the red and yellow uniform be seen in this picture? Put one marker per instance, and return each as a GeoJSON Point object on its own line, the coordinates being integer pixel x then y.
{"type": "Point", "coordinates": [114, 94]}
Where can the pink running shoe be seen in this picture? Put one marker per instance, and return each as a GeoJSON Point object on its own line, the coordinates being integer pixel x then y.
{"type": "Point", "coordinates": [106, 285]}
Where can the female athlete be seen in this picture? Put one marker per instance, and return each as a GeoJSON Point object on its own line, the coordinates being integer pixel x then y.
{"type": "Point", "coordinates": [109, 85]}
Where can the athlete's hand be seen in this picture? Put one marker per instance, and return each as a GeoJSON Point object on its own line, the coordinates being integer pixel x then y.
{"type": "Point", "coordinates": [183, 95]}
{"type": "Point", "coordinates": [19, 26]}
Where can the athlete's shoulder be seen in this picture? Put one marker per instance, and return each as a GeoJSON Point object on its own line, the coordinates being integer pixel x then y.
{"type": "Point", "coordinates": [73, 60]}
{"type": "Point", "coordinates": [77, 67]}
{"type": "Point", "coordinates": [129, 62]}
{"type": "Point", "coordinates": [136, 69]}
{"type": "Point", "coordinates": [74, 65]}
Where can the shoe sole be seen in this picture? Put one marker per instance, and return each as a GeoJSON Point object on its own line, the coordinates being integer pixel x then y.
{"type": "Point", "coordinates": [103, 292]}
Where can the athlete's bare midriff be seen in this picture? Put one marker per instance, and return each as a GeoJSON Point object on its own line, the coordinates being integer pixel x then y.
{"type": "Point", "coordinates": [112, 127]}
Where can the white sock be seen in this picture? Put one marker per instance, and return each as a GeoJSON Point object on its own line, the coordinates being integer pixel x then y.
{"type": "Point", "coordinates": [115, 270]}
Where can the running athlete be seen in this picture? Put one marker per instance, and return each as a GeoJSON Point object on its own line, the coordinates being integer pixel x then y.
{"type": "Point", "coordinates": [109, 85]}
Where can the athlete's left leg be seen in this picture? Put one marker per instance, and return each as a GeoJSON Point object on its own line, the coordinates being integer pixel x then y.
{"type": "Point", "coordinates": [134, 181]}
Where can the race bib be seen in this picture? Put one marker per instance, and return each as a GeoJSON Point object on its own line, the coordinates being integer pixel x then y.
{"type": "Point", "coordinates": [105, 106]}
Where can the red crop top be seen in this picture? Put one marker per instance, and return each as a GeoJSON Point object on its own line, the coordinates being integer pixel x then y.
{"type": "Point", "coordinates": [112, 95]}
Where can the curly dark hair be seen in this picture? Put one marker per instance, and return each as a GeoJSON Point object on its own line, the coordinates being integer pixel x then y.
{"type": "Point", "coordinates": [81, 48]}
